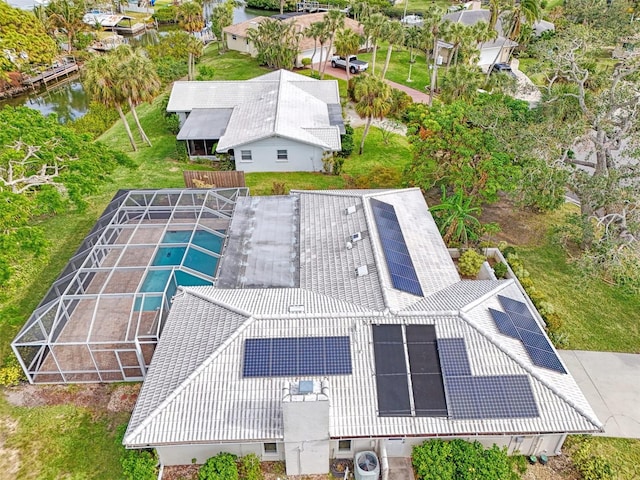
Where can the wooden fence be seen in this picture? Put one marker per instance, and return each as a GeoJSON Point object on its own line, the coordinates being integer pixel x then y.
{"type": "Point", "coordinates": [209, 179]}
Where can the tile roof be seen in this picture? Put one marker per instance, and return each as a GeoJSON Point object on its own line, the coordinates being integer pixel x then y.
{"type": "Point", "coordinates": [210, 401]}
{"type": "Point", "coordinates": [265, 106]}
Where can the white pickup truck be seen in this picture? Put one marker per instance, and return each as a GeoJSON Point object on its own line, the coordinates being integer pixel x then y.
{"type": "Point", "coordinates": [355, 65]}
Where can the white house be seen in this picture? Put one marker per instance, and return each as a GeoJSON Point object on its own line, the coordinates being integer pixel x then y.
{"type": "Point", "coordinates": [280, 121]}
{"type": "Point", "coordinates": [338, 323]}
{"type": "Point", "coordinates": [237, 38]}
{"type": "Point", "coordinates": [494, 51]}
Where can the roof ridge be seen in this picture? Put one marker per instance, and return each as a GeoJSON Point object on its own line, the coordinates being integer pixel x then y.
{"type": "Point", "coordinates": [195, 373]}
{"type": "Point", "coordinates": [491, 338]}
{"type": "Point", "coordinates": [482, 298]}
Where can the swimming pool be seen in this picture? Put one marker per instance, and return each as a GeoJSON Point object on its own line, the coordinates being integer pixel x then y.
{"type": "Point", "coordinates": [175, 256]}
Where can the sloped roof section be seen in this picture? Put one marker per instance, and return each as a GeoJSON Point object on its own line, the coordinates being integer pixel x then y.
{"type": "Point", "coordinates": [264, 107]}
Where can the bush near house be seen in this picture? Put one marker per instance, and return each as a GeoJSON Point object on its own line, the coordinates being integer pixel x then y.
{"type": "Point", "coordinates": [470, 263]}
{"type": "Point", "coordinates": [460, 460]}
{"type": "Point", "coordinates": [221, 467]}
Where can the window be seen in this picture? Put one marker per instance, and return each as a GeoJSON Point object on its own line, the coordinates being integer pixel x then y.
{"type": "Point", "coordinates": [270, 448]}
{"type": "Point", "coordinates": [344, 445]}
{"type": "Point", "coordinates": [233, 37]}
{"type": "Point", "coordinates": [283, 156]}
{"type": "Point", "coordinates": [245, 156]}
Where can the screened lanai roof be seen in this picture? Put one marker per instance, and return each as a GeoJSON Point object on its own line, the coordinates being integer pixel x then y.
{"type": "Point", "coordinates": [103, 315]}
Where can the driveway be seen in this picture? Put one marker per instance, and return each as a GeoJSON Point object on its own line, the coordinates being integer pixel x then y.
{"type": "Point", "coordinates": [611, 384]}
{"type": "Point", "coordinates": [417, 95]}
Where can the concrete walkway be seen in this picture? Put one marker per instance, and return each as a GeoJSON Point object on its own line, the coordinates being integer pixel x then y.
{"type": "Point", "coordinates": [611, 384]}
{"type": "Point", "coordinates": [417, 95]}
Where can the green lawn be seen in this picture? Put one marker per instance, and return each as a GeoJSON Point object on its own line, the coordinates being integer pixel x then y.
{"type": "Point", "coordinates": [399, 67]}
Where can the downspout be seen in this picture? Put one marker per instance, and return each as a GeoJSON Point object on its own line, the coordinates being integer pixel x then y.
{"type": "Point", "coordinates": [160, 471]}
{"type": "Point", "coordinates": [384, 461]}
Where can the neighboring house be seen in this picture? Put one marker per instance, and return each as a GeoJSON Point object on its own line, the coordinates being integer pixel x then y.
{"type": "Point", "coordinates": [280, 121]}
{"type": "Point", "coordinates": [491, 52]}
{"type": "Point", "coordinates": [338, 323]}
{"type": "Point", "coordinates": [237, 38]}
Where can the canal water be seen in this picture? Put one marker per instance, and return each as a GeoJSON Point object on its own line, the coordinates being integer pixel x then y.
{"type": "Point", "coordinates": [67, 99]}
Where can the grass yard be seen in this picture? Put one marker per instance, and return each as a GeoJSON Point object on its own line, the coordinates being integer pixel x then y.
{"type": "Point", "coordinates": [231, 65]}
{"type": "Point", "coordinates": [596, 315]}
{"type": "Point", "coordinates": [399, 67]}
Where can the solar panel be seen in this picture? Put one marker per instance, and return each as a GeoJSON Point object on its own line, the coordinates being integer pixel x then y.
{"type": "Point", "coordinates": [453, 357]}
{"type": "Point", "coordinates": [403, 274]}
{"type": "Point", "coordinates": [387, 334]}
{"type": "Point", "coordinates": [504, 396]}
{"type": "Point", "coordinates": [518, 323]}
{"type": "Point", "coordinates": [511, 305]}
{"type": "Point", "coordinates": [504, 324]}
{"type": "Point", "coordinates": [393, 395]}
{"type": "Point", "coordinates": [428, 395]}
{"type": "Point", "coordinates": [545, 359]}
{"type": "Point", "coordinates": [423, 358]}
{"type": "Point", "coordinates": [390, 358]}
{"type": "Point", "coordinates": [421, 333]}
{"type": "Point", "coordinates": [277, 357]}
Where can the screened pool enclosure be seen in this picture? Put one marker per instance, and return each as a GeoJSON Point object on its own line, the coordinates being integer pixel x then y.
{"type": "Point", "coordinates": [101, 319]}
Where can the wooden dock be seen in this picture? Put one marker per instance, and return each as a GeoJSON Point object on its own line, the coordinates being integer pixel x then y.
{"type": "Point", "coordinates": [52, 74]}
{"type": "Point", "coordinates": [312, 7]}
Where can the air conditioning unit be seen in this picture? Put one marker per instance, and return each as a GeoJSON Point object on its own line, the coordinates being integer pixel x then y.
{"type": "Point", "coordinates": [366, 466]}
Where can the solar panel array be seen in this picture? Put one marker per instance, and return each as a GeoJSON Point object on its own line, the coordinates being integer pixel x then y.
{"type": "Point", "coordinates": [285, 357]}
{"type": "Point", "coordinates": [517, 322]}
{"type": "Point", "coordinates": [413, 388]}
{"type": "Point", "coordinates": [468, 396]}
{"type": "Point", "coordinates": [403, 274]}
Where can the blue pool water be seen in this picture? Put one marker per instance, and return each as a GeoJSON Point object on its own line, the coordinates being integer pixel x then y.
{"type": "Point", "coordinates": [174, 256]}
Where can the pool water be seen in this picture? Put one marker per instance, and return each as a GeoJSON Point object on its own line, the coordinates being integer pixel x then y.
{"type": "Point", "coordinates": [174, 256]}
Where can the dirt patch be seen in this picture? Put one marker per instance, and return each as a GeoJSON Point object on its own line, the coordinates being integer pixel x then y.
{"type": "Point", "coordinates": [558, 468]}
{"type": "Point", "coordinates": [96, 397]}
{"type": "Point", "coordinates": [181, 472]}
{"type": "Point", "coordinates": [270, 470]}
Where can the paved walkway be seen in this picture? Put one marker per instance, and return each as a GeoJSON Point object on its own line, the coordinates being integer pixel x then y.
{"type": "Point", "coordinates": [611, 384]}
{"type": "Point", "coordinates": [416, 95]}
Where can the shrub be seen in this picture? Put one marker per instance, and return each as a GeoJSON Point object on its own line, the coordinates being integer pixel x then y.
{"type": "Point", "coordinates": [11, 373]}
{"type": "Point", "coordinates": [205, 72]}
{"type": "Point", "coordinates": [221, 467]}
{"type": "Point", "coordinates": [470, 262]}
{"type": "Point", "coordinates": [250, 468]}
{"type": "Point", "coordinates": [500, 269]}
{"type": "Point", "coordinates": [306, 61]}
{"type": "Point", "coordinates": [590, 466]}
{"type": "Point", "coordinates": [347, 142]}
{"type": "Point", "coordinates": [96, 121]}
{"type": "Point", "coordinates": [139, 465]}
{"type": "Point", "coordinates": [278, 188]}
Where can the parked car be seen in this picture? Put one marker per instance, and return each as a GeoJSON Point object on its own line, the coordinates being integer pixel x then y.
{"type": "Point", "coordinates": [502, 68]}
{"type": "Point", "coordinates": [355, 65]}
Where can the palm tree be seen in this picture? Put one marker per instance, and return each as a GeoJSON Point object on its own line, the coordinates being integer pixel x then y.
{"type": "Point", "coordinates": [412, 41]}
{"type": "Point", "coordinates": [461, 83]}
{"type": "Point", "coordinates": [138, 80]}
{"type": "Point", "coordinates": [523, 11]}
{"type": "Point", "coordinates": [101, 78]}
{"type": "Point", "coordinates": [495, 7]}
{"type": "Point", "coordinates": [432, 29]}
{"type": "Point", "coordinates": [195, 48]}
{"type": "Point", "coordinates": [315, 31]}
{"type": "Point", "coordinates": [276, 43]}
{"type": "Point", "coordinates": [457, 218]}
{"type": "Point", "coordinates": [347, 44]}
{"type": "Point", "coordinates": [372, 97]}
{"type": "Point", "coordinates": [222, 17]}
{"type": "Point", "coordinates": [190, 17]}
{"type": "Point", "coordinates": [66, 16]}
{"type": "Point", "coordinates": [374, 25]}
{"type": "Point", "coordinates": [457, 35]}
{"type": "Point", "coordinates": [334, 21]}
{"type": "Point", "coordinates": [394, 34]}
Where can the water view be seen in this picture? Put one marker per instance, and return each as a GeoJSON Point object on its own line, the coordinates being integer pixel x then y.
{"type": "Point", "coordinates": [68, 99]}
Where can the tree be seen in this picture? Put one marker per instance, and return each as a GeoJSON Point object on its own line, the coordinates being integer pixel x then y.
{"type": "Point", "coordinates": [221, 18]}
{"type": "Point", "coordinates": [461, 83]}
{"type": "Point", "coordinates": [347, 44]}
{"type": "Point", "coordinates": [523, 11]}
{"type": "Point", "coordinates": [412, 41]}
{"type": "Point", "coordinates": [451, 150]}
{"type": "Point", "coordinates": [23, 40]}
{"type": "Point", "coordinates": [431, 30]}
{"type": "Point", "coordinates": [334, 21]}
{"type": "Point", "coordinates": [45, 168]}
{"type": "Point", "coordinates": [66, 16]}
{"type": "Point", "coordinates": [457, 218]}
{"type": "Point", "coordinates": [276, 43]}
{"type": "Point", "coordinates": [374, 26]}
{"type": "Point", "coordinates": [458, 34]}
{"type": "Point", "coordinates": [317, 30]}
{"type": "Point", "coordinates": [138, 81]}
{"type": "Point", "coordinates": [372, 97]}
{"type": "Point", "coordinates": [195, 49]}
{"type": "Point", "coordinates": [190, 17]}
{"type": "Point", "coordinates": [394, 34]}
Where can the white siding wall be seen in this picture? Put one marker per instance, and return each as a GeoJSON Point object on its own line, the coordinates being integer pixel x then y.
{"type": "Point", "coordinates": [240, 44]}
{"type": "Point", "coordinates": [183, 454]}
{"type": "Point", "coordinates": [301, 157]}
{"type": "Point", "coordinates": [488, 56]}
